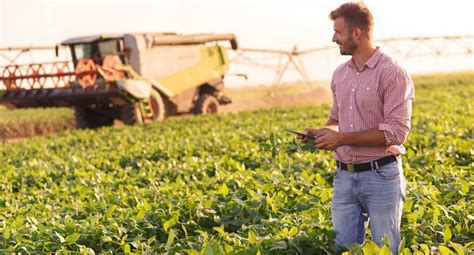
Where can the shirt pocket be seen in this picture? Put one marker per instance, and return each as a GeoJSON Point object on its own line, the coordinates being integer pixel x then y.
{"type": "Point", "coordinates": [368, 97]}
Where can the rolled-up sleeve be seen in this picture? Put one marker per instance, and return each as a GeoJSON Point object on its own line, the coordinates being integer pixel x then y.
{"type": "Point", "coordinates": [398, 97]}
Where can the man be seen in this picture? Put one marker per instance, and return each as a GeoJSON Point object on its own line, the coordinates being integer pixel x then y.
{"type": "Point", "coordinates": [367, 126]}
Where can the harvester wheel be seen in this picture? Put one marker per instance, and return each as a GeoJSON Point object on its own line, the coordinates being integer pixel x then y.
{"type": "Point", "coordinates": [207, 104]}
{"type": "Point", "coordinates": [131, 114]}
{"type": "Point", "coordinates": [88, 118]}
{"type": "Point", "coordinates": [157, 106]}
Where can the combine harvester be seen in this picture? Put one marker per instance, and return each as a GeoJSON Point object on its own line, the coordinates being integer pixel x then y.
{"type": "Point", "coordinates": [136, 78]}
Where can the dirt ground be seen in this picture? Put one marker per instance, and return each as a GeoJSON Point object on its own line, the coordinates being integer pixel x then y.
{"type": "Point", "coordinates": [283, 95]}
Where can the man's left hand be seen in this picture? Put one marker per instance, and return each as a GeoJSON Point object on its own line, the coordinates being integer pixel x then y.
{"type": "Point", "coordinates": [327, 139]}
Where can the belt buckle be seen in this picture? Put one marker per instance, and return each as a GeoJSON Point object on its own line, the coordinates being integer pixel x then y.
{"type": "Point", "coordinates": [350, 168]}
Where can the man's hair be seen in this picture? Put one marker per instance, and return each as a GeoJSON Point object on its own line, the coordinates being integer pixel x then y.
{"type": "Point", "coordinates": [356, 15]}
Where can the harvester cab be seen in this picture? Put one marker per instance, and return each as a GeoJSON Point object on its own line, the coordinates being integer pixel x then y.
{"type": "Point", "coordinates": [97, 54]}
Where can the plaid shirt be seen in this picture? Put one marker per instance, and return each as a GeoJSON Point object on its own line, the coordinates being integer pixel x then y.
{"type": "Point", "coordinates": [378, 96]}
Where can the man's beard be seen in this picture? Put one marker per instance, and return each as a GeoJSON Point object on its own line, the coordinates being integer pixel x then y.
{"type": "Point", "coordinates": [348, 47]}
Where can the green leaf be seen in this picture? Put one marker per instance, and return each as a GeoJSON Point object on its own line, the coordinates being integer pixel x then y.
{"type": "Point", "coordinates": [191, 252]}
{"type": "Point", "coordinates": [86, 251]}
{"type": "Point", "coordinates": [425, 248]}
{"type": "Point", "coordinates": [401, 246]}
{"type": "Point", "coordinates": [220, 230]}
{"type": "Point", "coordinates": [72, 238]}
{"type": "Point", "coordinates": [169, 223]}
{"type": "Point", "coordinates": [126, 248]}
{"type": "Point", "coordinates": [385, 251]}
{"type": "Point", "coordinates": [436, 213]}
{"type": "Point", "coordinates": [355, 249]}
{"type": "Point", "coordinates": [170, 240]}
{"type": "Point", "coordinates": [211, 249]}
{"type": "Point", "coordinates": [385, 241]}
{"type": "Point", "coordinates": [293, 231]}
{"type": "Point", "coordinates": [447, 234]}
{"type": "Point", "coordinates": [223, 190]}
{"type": "Point", "coordinates": [457, 247]}
{"type": "Point", "coordinates": [283, 232]}
{"type": "Point", "coordinates": [445, 250]}
{"type": "Point", "coordinates": [309, 145]}
{"type": "Point", "coordinates": [252, 237]}
{"type": "Point", "coordinates": [320, 180]}
{"type": "Point", "coordinates": [18, 222]}
{"type": "Point", "coordinates": [151, 240]}
{"type": "Point", "coordinates": [111, 210]}
{"type": "Point", "coordinates": [274, 146]}
{"type": "Point", "coordinates": [229, 249]}
{"type": "Point", "coordinates": [123, 240]}
{"type": "Point", "coordinates": [141, 213]}
{"type": "Point", "coordinates": [7, 233]}
{"type": "Point", "coordinates": [265, 146]}
{"type": "Point", "coordinates": [272, 140]}
{"type": "Point", "coordinates": [464, 187]}
{"type": "Point", "coordinates": [370, 248]}
{"type": "Point", "coordinates": [280, 245]}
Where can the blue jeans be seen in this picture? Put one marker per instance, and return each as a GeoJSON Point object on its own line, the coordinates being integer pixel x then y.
{"type": "Point", "coordinates": [377, 195]}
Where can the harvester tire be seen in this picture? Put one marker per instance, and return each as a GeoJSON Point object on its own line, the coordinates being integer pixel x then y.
{"type": "Point", "coordinates": [206, 104]}
{"type": "Point", "coordinates": [130, 114]}
{"type": "Point", "coordinates": [158, 106]}
{"type": "Point", "coordinates": [88, 118]}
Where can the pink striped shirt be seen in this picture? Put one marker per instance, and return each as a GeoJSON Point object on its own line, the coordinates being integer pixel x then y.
{"type": "Point", "coordinates": [378, 96]}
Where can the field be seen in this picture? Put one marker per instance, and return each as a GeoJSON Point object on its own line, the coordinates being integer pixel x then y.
{"type": "Point", "coordinates": [21, 123]}
{"type": "Point", "coordinates": [233, 183]}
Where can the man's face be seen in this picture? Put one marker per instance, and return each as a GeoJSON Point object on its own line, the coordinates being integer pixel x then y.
{"type": "Point", "coordinates": [343, 37]}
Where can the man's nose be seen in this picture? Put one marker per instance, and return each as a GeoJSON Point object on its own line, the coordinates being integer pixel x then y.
{"type": "Point", "coordinates": [334, 38]}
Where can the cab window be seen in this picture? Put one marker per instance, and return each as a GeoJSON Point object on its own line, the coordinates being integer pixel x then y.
{"type": "Point", "coordinates": [108, 48]}
{"type": "Point", "coordinates": [82, 51]}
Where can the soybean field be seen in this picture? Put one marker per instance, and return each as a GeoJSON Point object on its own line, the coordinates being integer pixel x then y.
{"type": "Point", "coordinates": [230, 184]}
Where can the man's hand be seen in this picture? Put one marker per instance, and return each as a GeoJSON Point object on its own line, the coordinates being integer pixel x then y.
{"type": "Point", "coordinates": [327, 138]}
{"type": "Point", "coordinates": [309, 131]}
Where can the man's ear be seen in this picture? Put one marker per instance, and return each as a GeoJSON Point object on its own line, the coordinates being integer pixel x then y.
{"type": "Point", "coordinates": [356, 33]}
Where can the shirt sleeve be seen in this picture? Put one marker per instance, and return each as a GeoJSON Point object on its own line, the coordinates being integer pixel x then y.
{"type": "Point", "coordinates": [335, 108]}
{"type": "Point", "coordinates": [398, 96]}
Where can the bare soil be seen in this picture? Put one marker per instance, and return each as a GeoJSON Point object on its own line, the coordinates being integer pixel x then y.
{"type": "Point", "coordinates": [284, 95]}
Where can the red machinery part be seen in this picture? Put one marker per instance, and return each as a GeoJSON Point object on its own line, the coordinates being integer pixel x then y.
{"type": "Point", "coordinates": [109, 65]}
{"type": "Point", "coordinates": [36, 76]}
{"type": "Point", "coordinates": [86, 72]}
{"type": "Point", "coordinates": [61, 74]}
{"type": "Point", "coordinates": [12, 77]}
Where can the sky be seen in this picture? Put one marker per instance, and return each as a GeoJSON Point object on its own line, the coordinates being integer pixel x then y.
{"type": "Point", "coordinates": [270, 24]}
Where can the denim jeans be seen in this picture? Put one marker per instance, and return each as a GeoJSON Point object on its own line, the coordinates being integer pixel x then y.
{"type": "Point", "coordinates": [377, 195]}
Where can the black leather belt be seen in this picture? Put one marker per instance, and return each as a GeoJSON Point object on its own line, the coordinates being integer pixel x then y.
{"type": "Point", "coordinates": [372, 165]}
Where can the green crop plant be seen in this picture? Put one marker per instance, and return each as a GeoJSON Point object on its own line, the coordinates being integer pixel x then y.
{"type": "Point", "coordinates": [235, 183]}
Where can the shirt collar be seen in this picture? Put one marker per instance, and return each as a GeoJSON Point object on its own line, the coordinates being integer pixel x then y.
{"type": "Point", "coordinates": [372, 61]}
